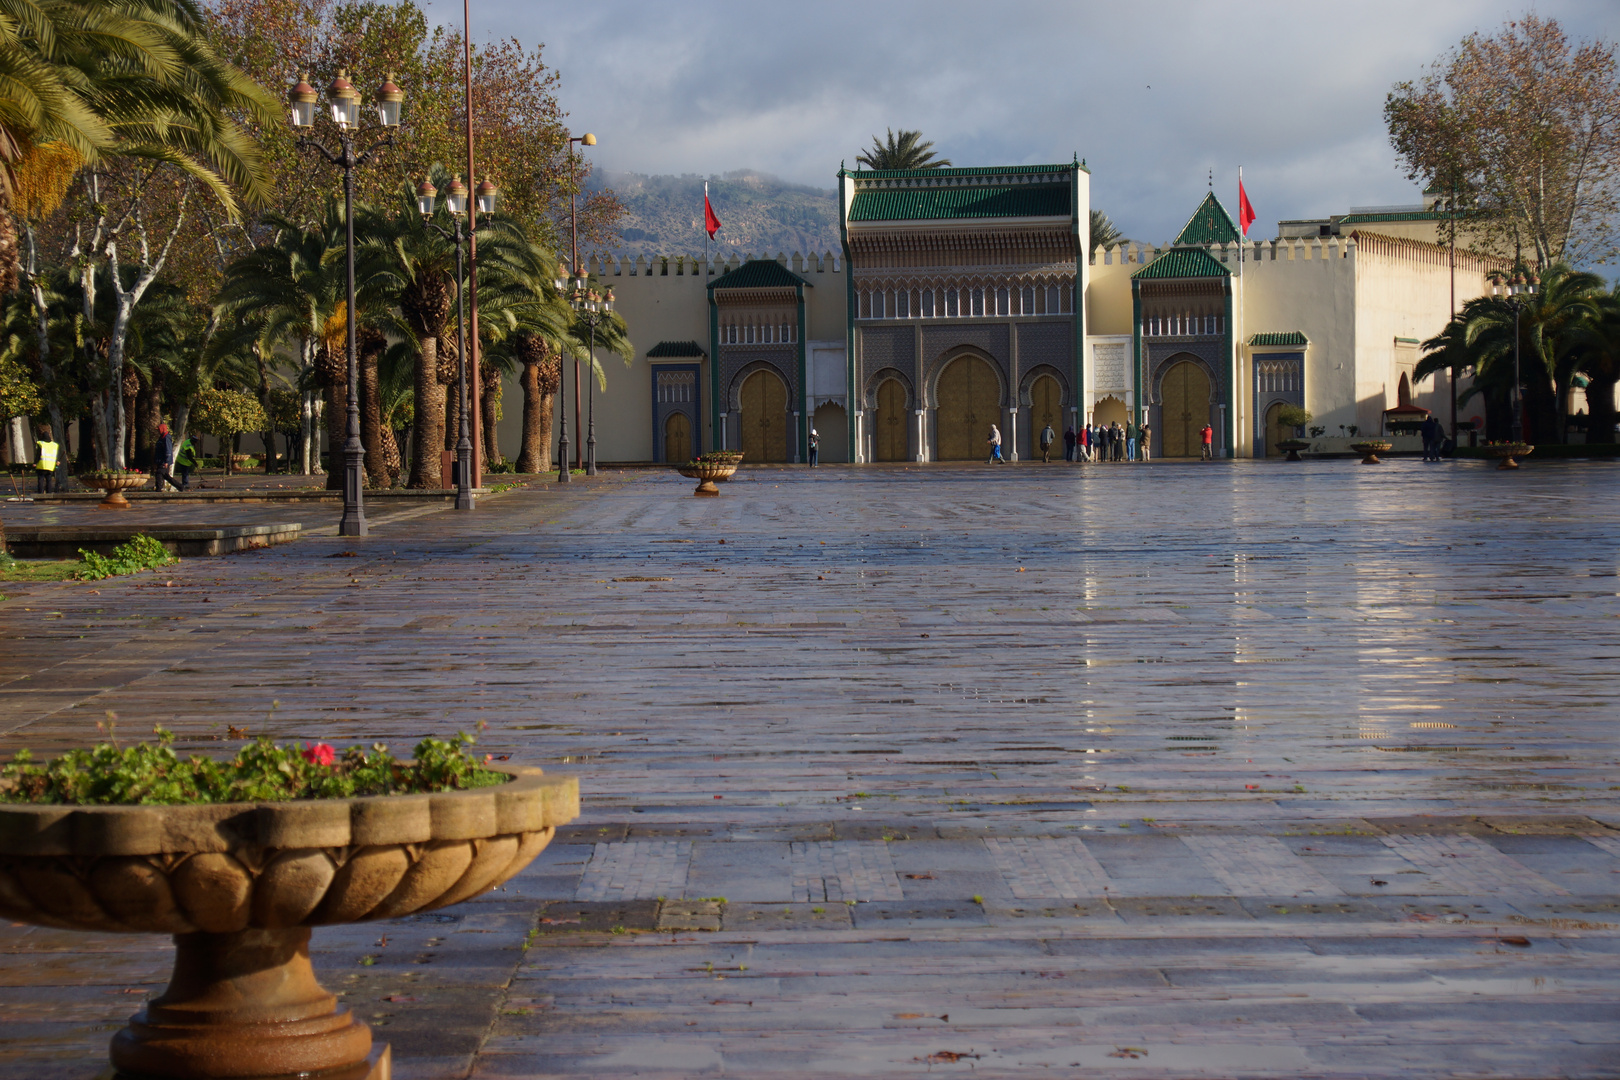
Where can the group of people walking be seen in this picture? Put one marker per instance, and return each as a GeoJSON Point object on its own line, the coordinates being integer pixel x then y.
{"type": "Point", "coordinates": [164, 459]}
{"type": "Point", "coordinates": [1092, 442]}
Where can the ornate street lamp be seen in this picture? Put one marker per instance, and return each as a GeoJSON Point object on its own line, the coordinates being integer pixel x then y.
{"type": "Point", "coordinates": [567, 288]}
{"type": "Point", "coordinates": [344, 102]}
{"type": "Point", "coordinates": [586, 139]}
{"type": "Point", "coordinates": [1516, 293]}
{"type": "Point", "coordinates": [593, 308]}
{"type": "Point", "coordinates": [455, 199]}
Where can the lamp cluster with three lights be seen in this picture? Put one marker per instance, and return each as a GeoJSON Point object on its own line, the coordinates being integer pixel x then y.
{"type": "Point", "coordinates": [593, 308]}
{"type": "Point", "coordinates": [1516, 292]}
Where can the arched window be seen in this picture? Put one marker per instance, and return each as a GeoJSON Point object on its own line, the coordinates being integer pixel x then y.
{"type": "Point", "coordinates": [1001, 302]}
{"type": "Point", "coordinates": [951, 303]}
{"type": "Point", "coordinates": [928, 303]}
{"type": "Point", "coordinates": [978, 301]}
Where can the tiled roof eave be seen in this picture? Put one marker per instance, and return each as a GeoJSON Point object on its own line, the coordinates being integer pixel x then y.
{"type": "Point", "coordinates": [957, 222]}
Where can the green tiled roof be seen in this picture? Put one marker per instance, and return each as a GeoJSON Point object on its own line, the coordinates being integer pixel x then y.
{"type": "Point", "coordinates": [908, 174]}
{"type": "Point", "coordinates": [1289, 337]}
{"type": "Point", "coordinates": [675, 348]}
{"type": "Point", "coordinates": [1210, 224]}
{"type": "Point", "coordinates": [1405, 215]}
{"type": "Point", "coordinates": [759, 274]}
{"type": "Point", "coordinates": [1183, 263]}
{"type": "Point", "coordinates": [934, 203]}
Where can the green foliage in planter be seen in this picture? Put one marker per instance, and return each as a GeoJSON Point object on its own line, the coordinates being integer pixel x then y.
{"type": "Point", "coordinates": [1293, 416]}
{"type": "Point", "coordinates": [153, 774]}
{"type": "Point", "coordinates": [141, 552]}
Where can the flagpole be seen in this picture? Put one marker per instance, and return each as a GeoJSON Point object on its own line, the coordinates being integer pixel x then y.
{"type": "Point", "coordinates": [705, 232]}
{"type": "Point", "coordinates": [1243, 242]}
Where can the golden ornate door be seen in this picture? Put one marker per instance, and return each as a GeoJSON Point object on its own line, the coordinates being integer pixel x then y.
{"type": "Point", "coordinates": [1045, 408]}
{"type": "Point", "coordinates": [889, 433]}
{"type": "Point", "coordinates": [969, 402]}
{"type": "Point", "coordinates": [1275, 431]}
{"type": "Point", "coordinates": [677, 438]}
{"type": "Point", "coordinates": [764, 418]}
{"type": "Point", "coordinates": [1185, 410]}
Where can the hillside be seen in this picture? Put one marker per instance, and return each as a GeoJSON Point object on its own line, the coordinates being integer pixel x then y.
{"type": "Point", "coordinates": [759, 213]}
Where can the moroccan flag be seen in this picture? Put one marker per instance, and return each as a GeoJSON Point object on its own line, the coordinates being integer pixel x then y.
{"type": "Point", "coordinates": [1245, 211]}
{"type": "Point", "coordinates": [710, 222]}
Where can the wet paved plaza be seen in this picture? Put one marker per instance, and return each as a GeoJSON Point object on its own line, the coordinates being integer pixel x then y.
{"type": "Point", "coordinates": [1238, 769]}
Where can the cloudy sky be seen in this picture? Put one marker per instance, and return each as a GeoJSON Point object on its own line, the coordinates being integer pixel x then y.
{"type": "Point", "coordinates": [1152, 93]}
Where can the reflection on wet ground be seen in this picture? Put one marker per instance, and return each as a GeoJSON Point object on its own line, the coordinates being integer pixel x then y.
{"type": "Point", "coordinates": [1116, 703]}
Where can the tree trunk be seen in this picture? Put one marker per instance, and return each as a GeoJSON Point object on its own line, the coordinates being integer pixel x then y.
{"type": "Point", "coordinates": [1540, 409]}
{"type": "Point", "coordinates": [337, 434]}
{"type": "Point", "coordinates": [489, 406]}
{"type": "Point", "coordinates": [372, 344]}
{"type": "Point", "coordinates": [427, 429]}
{"type": "Point", "coordinates": [536, 454]}
{"type": "Point", "coordinates": [390, 455]}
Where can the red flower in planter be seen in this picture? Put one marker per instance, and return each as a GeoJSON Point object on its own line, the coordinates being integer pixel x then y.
{"type": "Point", "coordinates": [320, 754]}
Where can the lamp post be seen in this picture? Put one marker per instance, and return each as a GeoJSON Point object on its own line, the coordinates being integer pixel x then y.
{"type": "Point", "coordinates": [586, 139]}
{"type": "Point", "coordinates": [455, 198]}
{"type": "Point", "coordinates": [593, 310]}
{"type": "Point", "coordinates": [344, 102]}
{"type": "Point", "coordinates": [1515, 292]}
{"type": "Point", "coordinates": [568, 288]}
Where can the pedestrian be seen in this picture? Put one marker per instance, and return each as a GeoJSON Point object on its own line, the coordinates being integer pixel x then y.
{"type": "Point", "coordinates": [1147, 438]}
{"type": "Point", "coordinates": [1130, 441]}
{"type": "Point", "coordinates": [185, 461]}
{"type": "Point", "coordinates": [1116, 435]}
{"type": "Point", "coordinates": [995, 446]}
{"type": "Point", "coordinates": [815, 447]}
{"type": "Point", "coordinates": [1048, 436]}
{"type": "Point", "coordinates": [1069, 442]}
{"type": "Point", "coordinates": [1431, 438]}
{"type": "Point", "coordinates": [1208, 437]}
{"type": "Point", "coordinates": [45, 462]}
{"type": "Point", "coordinates": [162, 459]}
{"type": "Point", "coordinates": [1088, 440]}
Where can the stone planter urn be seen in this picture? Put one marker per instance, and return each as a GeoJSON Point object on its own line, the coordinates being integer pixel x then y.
{"type": "Point", "coordinates": [707, 470]}
{"type": "Point", "coordinates": [1371, 449]}
{"type": "Point", "coordinates": [239, 885]}
{"type": "Point", "coordinates": [1507, 453]}
{"type": "Point", "coordinates": [114, 484]}
{"type": "Point", "coordinates": [1292, 447]}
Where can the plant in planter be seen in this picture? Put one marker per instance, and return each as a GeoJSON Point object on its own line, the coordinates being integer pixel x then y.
{"type": "Point", "coordinates": [1508, 453]}
{"type": "Point", "coordinates": [707, 468]}
{"type": "Point", "coordinates": [114, 482]}
{"type": "Point", "coordinates": [1370, 449]}
{"type": "Point", "coordinates": [239, 859]}
{"type": "Point", "coordinates": [1296, 417]}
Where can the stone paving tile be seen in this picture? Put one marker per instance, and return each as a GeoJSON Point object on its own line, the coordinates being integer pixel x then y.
{"type": "Point", "coordinates": [636, 870]}
{"type": "Point", "coordinates": [1259, 866]}
{"type": "Point", "coordinates": [1042, 867]}
{"type": "Point", "coordinates": [840, 870]}
{"type": "Point", "coordinates": [1467, 865]}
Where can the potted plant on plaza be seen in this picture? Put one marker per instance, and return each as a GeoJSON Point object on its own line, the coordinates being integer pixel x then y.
{"type": "Point", "coordinates": [1507, 453]}
{"type": "Point", "coordinates": [1370, 449]}
{"type": "Point", "coordinates": [707, 468]}
{"type": "Point", "coordinates": [114, 482]}
{"type": "Point", "coordinates": [239, 859]}
{"type": "Point", "coordinates": [1296, 417]}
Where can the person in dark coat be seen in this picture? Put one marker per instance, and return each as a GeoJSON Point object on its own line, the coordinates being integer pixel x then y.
{"type": "Point", "coordinates": [1068, 443]}
{"type": "Point", "coordinates": [163, 459]}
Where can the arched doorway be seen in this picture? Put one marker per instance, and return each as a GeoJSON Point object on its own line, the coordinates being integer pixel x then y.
{"type": "Point", "coordinates": [1110, 410]}
{"type": "Point", "coordinates": [1185, 393]}
{"type": "Point", "coordinates": [969, 396]}
{"type": "Point", "coordinates": [764, 418]}
{"type": "Point", "coordinates": [1045, 408]}
{"type": "Point", "coordinates": [1275, 430]}
{"type": "Point", "coordinates": [832, 426]}
{"type": "Point", "coordinates": [889, 428]}
{"type": "Point", "coordinates": [677, 437]}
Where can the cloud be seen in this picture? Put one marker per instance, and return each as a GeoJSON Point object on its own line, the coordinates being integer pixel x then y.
{"type": "Point", "coordinates": [1153, 94]}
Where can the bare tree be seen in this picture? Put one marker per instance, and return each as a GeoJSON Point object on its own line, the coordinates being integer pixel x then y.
{"type": "Point", "coordinates": [1521, 132]}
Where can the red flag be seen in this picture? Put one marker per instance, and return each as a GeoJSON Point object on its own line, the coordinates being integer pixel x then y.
{"type": "Point", "coordinates": [1245, 211]}
{"type": "Point", "coordinates": [710, 222]}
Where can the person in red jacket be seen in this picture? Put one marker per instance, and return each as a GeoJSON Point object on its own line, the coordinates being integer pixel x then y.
{"type": "Point", "coordinates": [1208, 435]}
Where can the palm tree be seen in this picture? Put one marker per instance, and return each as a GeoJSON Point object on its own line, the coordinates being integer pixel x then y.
{"type": "Point", "coordinates": [1548, 324]}
{"type": "Point", "coordinates": [285, 291]}
{"type": "Point", "coordinates": [1598, 351]}
{"type": "Point", "coordinates": [1103, 232]}
{"type": "Point", "coordinates": [903, 151]}
{"type": "Point", "coordinates": [542, 376]}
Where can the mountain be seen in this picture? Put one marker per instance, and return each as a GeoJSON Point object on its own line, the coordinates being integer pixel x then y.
{"type": "Point", "coordinates": [760, 214]}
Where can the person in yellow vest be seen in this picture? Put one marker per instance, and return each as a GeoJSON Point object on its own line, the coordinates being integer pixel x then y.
{"type": "Point", "coordinates": [45, 462]}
